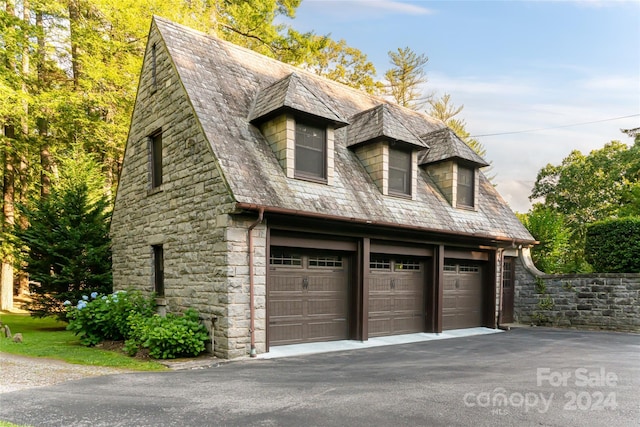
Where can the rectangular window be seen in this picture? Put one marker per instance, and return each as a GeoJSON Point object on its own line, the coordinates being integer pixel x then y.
{"type": "Point", "coordinates": [379, 263]}
{"type": "Point", "coordinates": [154, 75]}
{"type": "Point", "coordinates": [399, 172]}
{"type": "Point", "coordinates": [155, 142]}
{"type": "Point", "coordinates": [507, 272]}
{"type": "Point", "coordinates": [311, 152]}
{"type": "Point", "coordinates": [468, 268]}
{"type": "Point", "coordinates": [158, 270]}
{"type": "Point", "coordinates": [325, 261]}
{"type": "Point", "coordinates": [406, 265]}
{"type": "Point", "coordinates": [466, 185]}
{"type": "Point", "coordinates": [282, 257]}
{"type": "Point", "coordinates": [10, 131]}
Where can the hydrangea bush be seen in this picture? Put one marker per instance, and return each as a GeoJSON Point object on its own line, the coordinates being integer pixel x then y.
{"type": "Point", "coordinates": [105, 317]}
{"type": "Point", "coordinates": [130, 317]}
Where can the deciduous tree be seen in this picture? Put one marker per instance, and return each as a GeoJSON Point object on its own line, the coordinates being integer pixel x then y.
{"type": "Point", "coordinates": [588, 188]}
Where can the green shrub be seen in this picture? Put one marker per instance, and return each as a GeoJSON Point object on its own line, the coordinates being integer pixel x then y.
{"type": "Point", "coordinates": [105, 317]}
{"type": "Point", "coordinates": [613, 246]}
{"type": "Point", "coordinates": [167, 337]}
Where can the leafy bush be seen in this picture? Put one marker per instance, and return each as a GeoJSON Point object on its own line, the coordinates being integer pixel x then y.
{"type": "Point", "coordinates": [105, 317]}
{"type": "Point", "coordinates": [613, 246]}
{"type": "Point", "coordinates": [556, 253]}
{"type": "Point", "coordinates": [167, 337]}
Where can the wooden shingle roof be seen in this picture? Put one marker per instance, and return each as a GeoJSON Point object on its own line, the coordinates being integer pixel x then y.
{"type": "Point", "coordinates": [229, 86]}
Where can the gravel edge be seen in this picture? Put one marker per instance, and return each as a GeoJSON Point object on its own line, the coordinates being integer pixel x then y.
{"type": "Point", "coordinates": [22, 372]}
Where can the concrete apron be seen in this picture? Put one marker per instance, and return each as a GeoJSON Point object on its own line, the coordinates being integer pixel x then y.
{"type": "Point", "coordinates": [327, 347]}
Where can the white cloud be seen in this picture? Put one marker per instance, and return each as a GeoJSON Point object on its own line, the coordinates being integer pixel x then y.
{"type": "Point", "coordinates": [615, 83]}
{"type": "Point", "coordinates": [360, 7]}
{"type": "Point", "coordinates": [396, 6]}
{"type": "Point", "coordinates": [476, 86]}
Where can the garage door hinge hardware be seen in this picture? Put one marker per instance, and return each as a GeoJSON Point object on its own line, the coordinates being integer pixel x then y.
{"type": "Point", "coordinates": [393, 283]}
{"type": "Point", "coordinates": [305, 283]}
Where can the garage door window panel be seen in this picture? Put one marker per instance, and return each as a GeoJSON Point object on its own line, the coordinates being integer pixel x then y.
{"type": "Point", "coordinates": [380, 264]}
{"type": "Point", "coordinates": [325, 262]}
{"type": "Point", "coordinates": [279, 257]}
{"type": "Point", "coordinates": [407, 265]}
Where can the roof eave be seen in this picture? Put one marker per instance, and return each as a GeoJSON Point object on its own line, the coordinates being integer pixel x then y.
{"type": "Point", "coordinates": [500, 241]}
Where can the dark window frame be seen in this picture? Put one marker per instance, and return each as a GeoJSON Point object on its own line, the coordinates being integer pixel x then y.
{"type": "Point", "coordinates": [300, 148]}
{"type": "Point", "coordinates": [466, 190]}
{"type": "Point", "coordinates": [154, 68]}
{"type": "Point", "coordinates": [10, 131]}
{"type": "Point", "coordinates": [158, 270]}
{"type": "Point", "coordinates": [508, 272]}
{"type": "Point", "coordinates": [155, 160]}
{"type": "Point", "coordinates": [406, 169]}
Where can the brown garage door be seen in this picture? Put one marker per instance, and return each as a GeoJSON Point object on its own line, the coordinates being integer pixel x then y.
{"type": "Point", "coordinates": [462, 295]}
{"type": "Point", "coordinates": [396, 296]}
{"type": "Point", "coordinates": [308, 297]}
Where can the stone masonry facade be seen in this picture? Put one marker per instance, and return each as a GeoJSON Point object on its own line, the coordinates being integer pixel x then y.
{"type": "Point", "coordinates": [588, 301]}
{"type": "Point", "coordinates": [190, 215]}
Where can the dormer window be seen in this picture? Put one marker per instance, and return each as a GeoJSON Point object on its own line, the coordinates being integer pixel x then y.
{"type": "Point", "coordinates": [298, 122]}
{"type": "Point", "coordinates": [310, 151]}
{"type": "Point", "coordinates": [454, 168]}
{"type": "Point", "coordinates": [387, 149]}
{"type": "Point", "coordinates": [466, 186]}
{"type": "Point", "coordinates": [399, 172]}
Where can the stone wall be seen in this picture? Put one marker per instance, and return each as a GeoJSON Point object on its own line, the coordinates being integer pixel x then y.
{"type": "Point", "coordinates": [190, 215]}
{"type": "Point", "coordinates": [443, 174]}
{"type": "Point", "coordinates": [590, 301]}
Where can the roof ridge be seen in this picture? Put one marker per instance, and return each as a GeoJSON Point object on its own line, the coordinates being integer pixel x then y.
{"type": "Point", "coordinates": [319, 98]}
{"type": "Point", "coordinates": [381, 99]}
{"type": "Point", "coordinates": [401, 122]}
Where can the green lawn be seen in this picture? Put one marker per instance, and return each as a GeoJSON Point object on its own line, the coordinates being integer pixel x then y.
{"type": "Point", "coordinates": [47, 337]}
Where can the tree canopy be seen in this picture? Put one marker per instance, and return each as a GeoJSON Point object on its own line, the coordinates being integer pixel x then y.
{"type": "Point", "coordinates": [69, 75]}
{"type": "Point", "coordinates": [583, 189]}
{"type": "Point", "coordinates": [70, 70]}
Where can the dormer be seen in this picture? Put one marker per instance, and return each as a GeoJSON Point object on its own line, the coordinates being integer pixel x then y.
{"type": "Point", "coordinates": [454, 167]}
{"type": "Point", "coordinates": [387, 149]}
{"type": "Point", "coordinates": [299, 127]}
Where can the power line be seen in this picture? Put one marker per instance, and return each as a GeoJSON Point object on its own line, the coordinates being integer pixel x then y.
{"type": "Point", "coordinates": [555, 127]}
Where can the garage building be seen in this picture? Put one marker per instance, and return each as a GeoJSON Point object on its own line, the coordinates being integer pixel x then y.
{"type": "Point", "coordinates": [287, 208]}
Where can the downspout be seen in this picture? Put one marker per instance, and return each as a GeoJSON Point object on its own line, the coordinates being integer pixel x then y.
{"type": "Point", "coordinates": [501, 287]}
{"type": "Point", "coordinates": [252, 306]}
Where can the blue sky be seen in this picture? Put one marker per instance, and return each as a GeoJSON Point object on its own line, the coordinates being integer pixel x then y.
{"type": "Point", "coordinates": [514, 65]}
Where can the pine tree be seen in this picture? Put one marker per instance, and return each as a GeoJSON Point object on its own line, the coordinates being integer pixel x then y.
{"type": "Point", "coordinates": [66, 246]}
{"type": "Point", "coordinates": [406, 76]}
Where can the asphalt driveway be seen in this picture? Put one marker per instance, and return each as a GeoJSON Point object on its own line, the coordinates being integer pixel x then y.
{"type": "Point", "coordinates": [528, 376]}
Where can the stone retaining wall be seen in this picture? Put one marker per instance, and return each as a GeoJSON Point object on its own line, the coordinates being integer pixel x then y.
{"type": "Point", "coordinates": [590, 301]}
